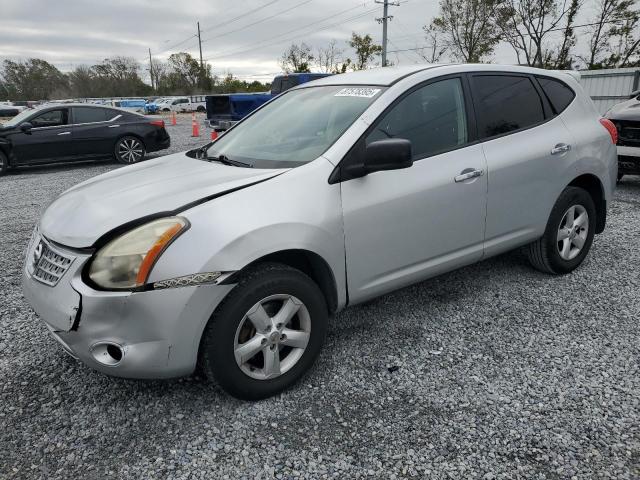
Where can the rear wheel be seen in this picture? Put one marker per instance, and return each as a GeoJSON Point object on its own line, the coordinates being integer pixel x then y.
{"type": "Point", "coordinates": [4, 164]}
{"type": "Point", "coordinates": [129, 150]}
{"type": "Point", "coordinates": [568, 235]}
{"type": "Point", "coordinates": [266, 334]}
{"type": "Point", "coordinates": [201, 109]}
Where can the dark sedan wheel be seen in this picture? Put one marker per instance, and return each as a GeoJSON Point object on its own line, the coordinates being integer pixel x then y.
{"type": "Point", "coordinates": [129, 150]}
{"type": "Point", "coordinates": [4, 164]}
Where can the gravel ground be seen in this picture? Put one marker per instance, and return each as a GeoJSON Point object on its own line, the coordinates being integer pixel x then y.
{"type": "Point", "coordinates": [492, 371]}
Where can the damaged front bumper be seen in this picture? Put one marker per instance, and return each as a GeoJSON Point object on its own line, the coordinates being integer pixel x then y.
{"type": "Point", "coordinates": [147, 334]}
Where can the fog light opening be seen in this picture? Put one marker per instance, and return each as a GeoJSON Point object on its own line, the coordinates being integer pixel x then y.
{"type": "Point", "coordinates": [106, 353]}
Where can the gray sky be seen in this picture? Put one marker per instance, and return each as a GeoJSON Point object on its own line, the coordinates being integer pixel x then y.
{"type": "Point", "coordinates": [72, 32]}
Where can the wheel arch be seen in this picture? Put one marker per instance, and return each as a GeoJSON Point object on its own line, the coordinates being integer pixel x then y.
{"type": "Point", "coordinates": [595, 189]}
{"type": "Point", "coordinates": [307, 262]}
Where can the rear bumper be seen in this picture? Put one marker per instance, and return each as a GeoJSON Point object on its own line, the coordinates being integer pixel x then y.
{"type": "Point", "coordinates": [222, 124]}
{"type": "Point", "coordinates": [161, 143]}
{"type": "Point", "coordinates": [628, 160]}
{"type": "Point", "coordinates": [158, 330]}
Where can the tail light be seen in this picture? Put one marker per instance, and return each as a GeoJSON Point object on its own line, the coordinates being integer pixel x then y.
{"type": "Point", "coordinates": [611, 128]}
{"type": "Point", "coordinates": [160, 123]}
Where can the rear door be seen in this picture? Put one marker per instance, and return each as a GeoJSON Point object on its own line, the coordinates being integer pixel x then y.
{"type": "Point", "coordinates": [529, 156]}
{"type": "Point", "coordinates": [50, 138]}
{"type": "Point", "coordinates": [94, 131]}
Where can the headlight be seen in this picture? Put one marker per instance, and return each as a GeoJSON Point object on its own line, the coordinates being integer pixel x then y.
{"type": "Point", "coordinates": [126, 261]}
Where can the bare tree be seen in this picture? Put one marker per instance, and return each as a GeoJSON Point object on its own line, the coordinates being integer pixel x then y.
{"type": "Point", "coordinates": [329, 59]}
{"type": "Point", "coordinates": [527, 25]}
{"type": "Point", "coordinates": [297, 58]}
{"type": "Point", "coordinates": [436, 47]}
{"type": "Point", "coordinates": [468, 28]}
{"type": "Point", "coordinates": [613, 40]}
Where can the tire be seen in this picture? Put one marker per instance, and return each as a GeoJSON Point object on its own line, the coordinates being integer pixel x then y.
{"type": "Point", "coordinates": [550, 253]}
{"type": "Point", "coordinates": [4, 164]}
{"type": "Point", "coordinates": [619, 177]}
{"type": "Point", "coordinates": [262, 293]}
{"type": "Point", "coordinates": [201, 109]}
{"type": "Point", "coordinates": [129, 150]}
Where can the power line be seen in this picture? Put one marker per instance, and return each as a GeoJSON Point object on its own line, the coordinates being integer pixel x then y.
{"type": "Point", "coordinates": [251, 47]}
{"type": "Point", "coordinates": [245, 14]}
{"type": "Point", "coordinates": [257, 21]}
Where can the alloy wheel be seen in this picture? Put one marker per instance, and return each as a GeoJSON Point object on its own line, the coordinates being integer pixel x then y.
{"type": "Point", "coordinates": [572, 232]}
{"type": "Point", "coordinates": [272, 336]}
{"type": "Point", "coordinates": [130, 150]}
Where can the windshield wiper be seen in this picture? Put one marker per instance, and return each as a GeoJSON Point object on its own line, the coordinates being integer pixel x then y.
{"type": "Point", "coordinates": [227, 161]}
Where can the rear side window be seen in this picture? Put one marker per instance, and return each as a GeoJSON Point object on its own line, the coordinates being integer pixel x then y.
{"type": "Point", "coordinates": [505, 103]}
{"type": "Point", "coordinates": [559, 94]}
{"type": "Point", "coordinates": [90, 115]}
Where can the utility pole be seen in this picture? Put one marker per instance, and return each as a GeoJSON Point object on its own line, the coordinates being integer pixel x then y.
{"type": "Point", "coordinates": [383, 20]}
{"type": "Point", "coordinates": [201, 81]}
{"type": "Point", "coordinates": [151, 70]}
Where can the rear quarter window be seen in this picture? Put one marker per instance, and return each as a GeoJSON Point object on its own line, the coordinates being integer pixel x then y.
{"type": "Point", "coordinates": [558, 93]}
{"type": "Point", "coordinates": [505, 103]}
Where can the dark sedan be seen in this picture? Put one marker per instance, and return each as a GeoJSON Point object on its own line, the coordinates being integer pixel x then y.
{"type": "Point", "coordinates": [74, 132]}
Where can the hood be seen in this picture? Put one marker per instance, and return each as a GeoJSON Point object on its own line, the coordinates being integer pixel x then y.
{"type": "Point", "coordinates": [629, 110]}
{"type": "Point", "coordinates": [85, 212]}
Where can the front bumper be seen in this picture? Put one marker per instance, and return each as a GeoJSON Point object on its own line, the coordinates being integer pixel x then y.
{"type": "Point", "coordinates": [158, 330]}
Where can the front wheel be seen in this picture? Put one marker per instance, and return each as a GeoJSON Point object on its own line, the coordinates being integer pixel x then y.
{"type": "Point", "coordinates": [568, 235]}
{"type": "Point", "coordinates": [129, 150]}
{"type": "Point", "coordinates": [266, 334]}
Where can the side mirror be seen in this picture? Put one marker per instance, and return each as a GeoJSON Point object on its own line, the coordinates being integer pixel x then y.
{"type": "Point", "coordinates": [387, 154]}
{"type": "Point", "coordinates": [26, 127]}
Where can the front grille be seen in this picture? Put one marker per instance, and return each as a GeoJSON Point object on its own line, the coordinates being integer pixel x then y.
{"type": "Point", "coordinates": [628, 133]}
{"type": "Point", "coordinates": [49, 265]}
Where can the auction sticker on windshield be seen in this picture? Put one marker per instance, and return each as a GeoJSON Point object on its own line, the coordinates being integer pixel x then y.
{"type": "Point", "coordinates": [358, 92]}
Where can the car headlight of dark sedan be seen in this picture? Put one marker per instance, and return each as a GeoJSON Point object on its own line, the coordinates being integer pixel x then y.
{"type": "Point", "coordinates": [126, 261]}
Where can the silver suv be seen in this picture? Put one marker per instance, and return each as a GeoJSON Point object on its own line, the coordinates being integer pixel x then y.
{"type": "Point", "coordinates": [233, 256]}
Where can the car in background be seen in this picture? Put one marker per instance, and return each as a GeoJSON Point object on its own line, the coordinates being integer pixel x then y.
{"type": "Point", "coordinates": [225, 110]}
{"type": "Point", "coordinates": [77, 132]}
{"type": "Point", "coordinates": [194, 103]}
{"type": "Point", "coordinates": [132, 105]}
{"type": "Point", "coordinates": [10, 109]}
{"type": "Point", "coordinates": [626, 117]}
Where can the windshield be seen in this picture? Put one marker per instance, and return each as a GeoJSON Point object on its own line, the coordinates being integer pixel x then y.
{"type": "Point", "coordinates": [18, 119]}
{"type": "Point", "coordinates": [295, 128]}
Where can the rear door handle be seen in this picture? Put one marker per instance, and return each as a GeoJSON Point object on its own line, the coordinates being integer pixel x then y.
{"type": "Point", "coordinates": [65, 133]}
{"type": "Point", "coordinates": [114, 126]}
{"type": "Point", "coordinates": [560, 148]}
{"type": "Point", "coordinates": [467, 174]}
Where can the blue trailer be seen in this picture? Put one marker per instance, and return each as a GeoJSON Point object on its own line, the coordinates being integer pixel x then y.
{"type": "Point", "coordinates": [225, 110]}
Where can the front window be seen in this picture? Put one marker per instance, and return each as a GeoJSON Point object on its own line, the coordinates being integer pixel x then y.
{"type": "Point", "coordinates": [52, 118]}
{"type": "Point", "coordinates": [296, 127]}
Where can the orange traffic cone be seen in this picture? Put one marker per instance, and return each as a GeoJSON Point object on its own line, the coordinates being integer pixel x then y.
{"type": "Point", "coordinates": [214, 134]}
{"type": "Point", "coordinates": [195, 129]}
{"type": "Point", "coordinates": [173, 118]}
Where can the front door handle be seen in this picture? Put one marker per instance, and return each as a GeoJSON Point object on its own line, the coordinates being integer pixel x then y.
{"type": "Point", "coordinates": [65, 133]}
{"type": "Point", "coordinates": [467, 174]}
{"type": "Point", "coordinates": [560, 148]}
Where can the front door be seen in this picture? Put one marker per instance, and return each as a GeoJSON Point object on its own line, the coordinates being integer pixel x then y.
{"type": "Point", "coordinates": [49, 139]}
{"type": "Point", "coordinates": [402, 226]}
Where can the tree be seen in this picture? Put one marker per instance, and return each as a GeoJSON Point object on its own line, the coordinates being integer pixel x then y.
{"type": "Point", "coordinates": [329, 59]}
{"type": "Point", "coordinates": [468, 27]}
{"type": "Point", "coordinates": [436, 48]}
{"type": "Point", "coordinates": [365, 49]}
{"type": "Point", "coordinates": [297, 59]}
{"type": "Point", "coordinates": [186, 70]}
{"type": "Point", "coordinates": [527, 25]}
{"type": "Point", "coordinates": [119, 77]}
{"type": "Point", "coordinates": [32, 79]}
{"type": "Point", "coordinates": [612, 42]}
